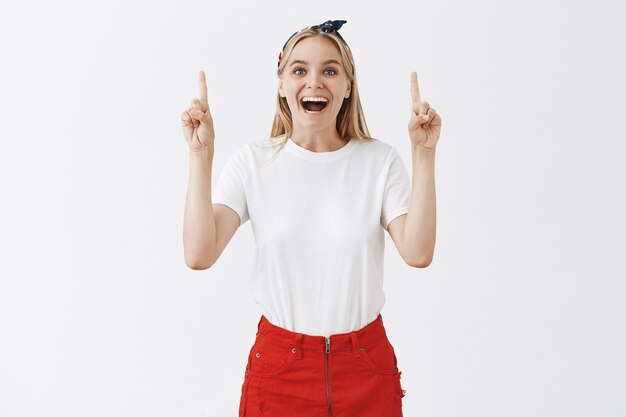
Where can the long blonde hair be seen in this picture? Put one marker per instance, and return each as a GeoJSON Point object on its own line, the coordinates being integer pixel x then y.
{"type": "Point", "coordinates": [350, 119]}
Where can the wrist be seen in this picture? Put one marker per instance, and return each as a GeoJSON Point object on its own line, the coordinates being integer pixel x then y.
{"type": "Point", "coordinates": [421, 151]}
{"type": "Point", "coordinates": [202, 152]}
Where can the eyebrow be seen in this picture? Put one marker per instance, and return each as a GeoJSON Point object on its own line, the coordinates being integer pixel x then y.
{"type": "Point", "coordinates": [330, 61]}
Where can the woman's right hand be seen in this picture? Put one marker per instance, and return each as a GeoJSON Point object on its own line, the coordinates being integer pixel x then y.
{"type": "Point", "coordinates": [197, 121]}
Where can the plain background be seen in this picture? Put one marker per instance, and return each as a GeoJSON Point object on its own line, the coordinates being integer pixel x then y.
{"type": "Point", "coordinates": [522, 311]}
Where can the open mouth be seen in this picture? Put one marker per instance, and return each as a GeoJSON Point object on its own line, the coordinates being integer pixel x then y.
{"type": "Point", "coordinates": [314, 104]}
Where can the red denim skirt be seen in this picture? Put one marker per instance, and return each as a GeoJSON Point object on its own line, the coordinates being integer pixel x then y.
{"type": "Point", "coordinates": [292, 374]}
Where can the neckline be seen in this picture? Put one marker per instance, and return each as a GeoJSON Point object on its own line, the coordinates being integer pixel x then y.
{"type": "Point", "coordinates": [319, 156]}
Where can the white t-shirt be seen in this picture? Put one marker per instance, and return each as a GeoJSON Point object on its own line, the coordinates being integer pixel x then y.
{"type": "Point", "coordinates": [317, 219]}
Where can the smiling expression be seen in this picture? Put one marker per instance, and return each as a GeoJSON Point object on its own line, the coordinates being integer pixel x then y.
{"type": "Point", "coordinates": [314, 84]}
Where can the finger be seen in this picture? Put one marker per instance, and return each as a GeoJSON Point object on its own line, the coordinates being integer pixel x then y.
{"type": "Point", "coordinates": [415, 90]}
{"type": "Point", "coordinates": [186, 118]}
{"type": "Point", "coordinates": [428, 116]}
{"type": "Point", "coordinates": [420, 117]}
{"type": "Point", "coordinates": [202, 85]}
{"type": "Point", "coordinates": [201, 117]}
{"type": "Point", "coordinates": [424, 106]}
{"type": "Point", "coordinates": [195, 116]}
{"type": "Point", "coordinates": [196, 104]}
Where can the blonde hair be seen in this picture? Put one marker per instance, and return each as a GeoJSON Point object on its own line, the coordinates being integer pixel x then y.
{"type": "Point", "coordinates": [350, 119]}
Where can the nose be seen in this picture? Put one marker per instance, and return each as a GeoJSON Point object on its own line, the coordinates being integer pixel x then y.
{"type": "Point", "coordinates": [315, 81]}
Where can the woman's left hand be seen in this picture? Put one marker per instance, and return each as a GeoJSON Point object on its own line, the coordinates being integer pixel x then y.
{"type": "Point", "coordinates": [425, 123]}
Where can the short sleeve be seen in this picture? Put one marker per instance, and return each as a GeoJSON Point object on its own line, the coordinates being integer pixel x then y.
{"type": "Point", "coordinates": [230, 188]}
{"type": "Point", "coordinates": [397, 190]}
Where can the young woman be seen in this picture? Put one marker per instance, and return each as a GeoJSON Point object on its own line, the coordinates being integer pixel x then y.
{"type": "Point", "coordinates": [319, 193]}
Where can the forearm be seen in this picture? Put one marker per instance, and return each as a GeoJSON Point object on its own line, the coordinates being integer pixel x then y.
{"type": "Point", "coordinates": [199, 223]}
{"type": "Point", "coordinates": [420, 225]}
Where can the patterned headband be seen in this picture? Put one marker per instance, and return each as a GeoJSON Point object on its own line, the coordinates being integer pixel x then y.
{"type": "Point", "coordinates": [327, 27]}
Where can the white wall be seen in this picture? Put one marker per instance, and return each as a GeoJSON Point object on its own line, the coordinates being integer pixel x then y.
{"type": "Point", "coordinates": [520, 314]}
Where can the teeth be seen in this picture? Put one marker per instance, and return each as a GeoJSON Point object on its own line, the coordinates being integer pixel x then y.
{"type": "Point", "coordinates": [322, 99]}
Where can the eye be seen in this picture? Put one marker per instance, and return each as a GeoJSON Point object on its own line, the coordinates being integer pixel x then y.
{"type": "Point", "coordinates": [332, 71]}
{"type": "Point", "coordinates": [296, 71]}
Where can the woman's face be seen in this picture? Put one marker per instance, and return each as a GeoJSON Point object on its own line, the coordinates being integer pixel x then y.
{"type": "Point", "coordinates": [314, 70]}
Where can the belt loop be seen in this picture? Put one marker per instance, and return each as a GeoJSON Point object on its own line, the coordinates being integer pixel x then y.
{"type": "Point", "coordinates": [298, 346]}
{"type": "Point", "coordinates": [355, 344]}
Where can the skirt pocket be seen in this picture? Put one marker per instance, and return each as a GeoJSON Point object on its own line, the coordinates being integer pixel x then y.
{"type": "Point", "coordinates": [267, 360]}
{"type": "Point", "coordinates": [380, 357]}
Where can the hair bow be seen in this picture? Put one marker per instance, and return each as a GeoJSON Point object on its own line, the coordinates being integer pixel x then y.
{"type": "Point", "coordinates": [330, 25]}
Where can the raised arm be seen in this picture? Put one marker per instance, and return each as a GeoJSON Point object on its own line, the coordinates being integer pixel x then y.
{"type": "Point", "coordinates": [207, 227]}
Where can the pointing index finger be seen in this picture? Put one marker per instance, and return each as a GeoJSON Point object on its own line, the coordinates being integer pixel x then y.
{"type": "Point", "coordinates": [415, 90]}
{"type": "Point", "coordinates": [202, 85]}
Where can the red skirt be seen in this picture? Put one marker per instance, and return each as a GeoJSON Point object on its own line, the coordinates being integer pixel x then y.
{"type": "Point", "coordinates": [292, 374]}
